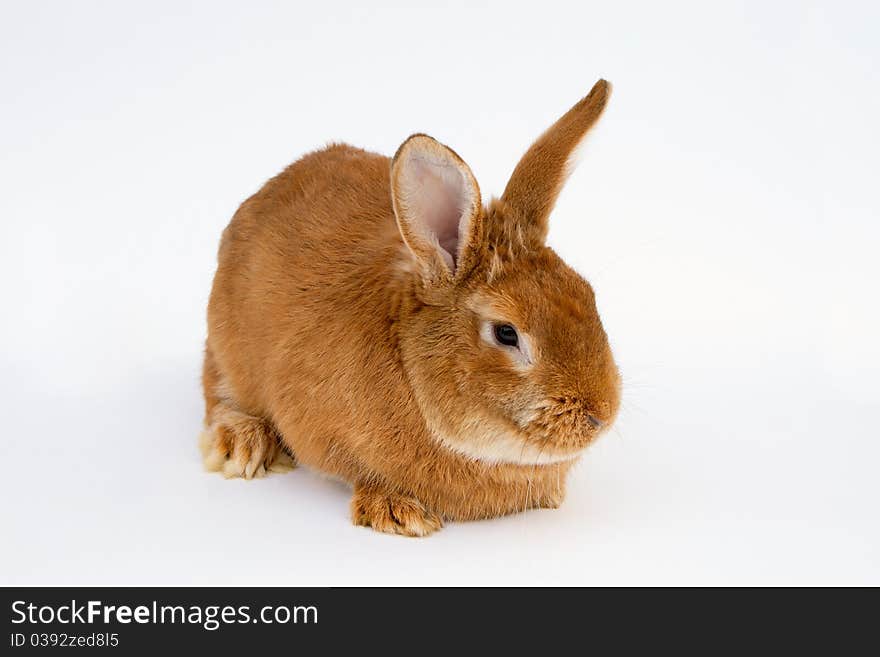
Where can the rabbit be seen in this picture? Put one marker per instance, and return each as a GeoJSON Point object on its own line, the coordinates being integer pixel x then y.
{"type": "Point", "coordinates": [373, 320]}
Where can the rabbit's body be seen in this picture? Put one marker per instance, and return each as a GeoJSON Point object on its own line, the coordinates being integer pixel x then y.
{"type": "Point", "coordinates": [329, 325]}
{"type": "Point", "coordinates": [297, 318]}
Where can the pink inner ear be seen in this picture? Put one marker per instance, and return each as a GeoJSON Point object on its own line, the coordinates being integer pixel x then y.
{"type": "Point", "coordinates": [437, 199]}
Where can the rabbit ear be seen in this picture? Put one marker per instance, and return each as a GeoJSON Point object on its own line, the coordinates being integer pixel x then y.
{"type": "Point", "coordinates": [538, 178]}
{"type": "Point", "coordinates": [437, 204]}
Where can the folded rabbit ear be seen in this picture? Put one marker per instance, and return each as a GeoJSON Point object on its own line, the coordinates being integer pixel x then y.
{"type": "Point", "coordinates": [438, 208]}
{"type": "Point", "coordinates": [538, 178]}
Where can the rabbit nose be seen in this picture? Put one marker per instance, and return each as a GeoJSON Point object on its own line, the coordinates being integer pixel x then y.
{"type": "Point", "coordinates": [594, 422]}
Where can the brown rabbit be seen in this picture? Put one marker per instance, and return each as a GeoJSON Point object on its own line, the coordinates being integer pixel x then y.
{"type": "Point", "coordinates": [371, 319]}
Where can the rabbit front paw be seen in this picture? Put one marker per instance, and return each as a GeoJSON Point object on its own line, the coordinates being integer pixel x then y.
{"type": "Point", "coordinates": [392, 513]}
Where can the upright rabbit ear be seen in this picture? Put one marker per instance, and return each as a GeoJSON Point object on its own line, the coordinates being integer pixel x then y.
{"type": "Point", "coordinates": [437, 204]}
{"type": "Point", "coordinates": [538, 178]}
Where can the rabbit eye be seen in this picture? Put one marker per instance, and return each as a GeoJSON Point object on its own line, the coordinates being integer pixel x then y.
{"type": "Point", "coordinates": [505, 334]}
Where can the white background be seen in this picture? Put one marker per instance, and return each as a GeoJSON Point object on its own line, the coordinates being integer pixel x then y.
{"type": "Point", "coordinates": [725, 210]}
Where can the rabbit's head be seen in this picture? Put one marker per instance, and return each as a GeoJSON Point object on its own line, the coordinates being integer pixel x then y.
{"type": "Point", "coordinates": [500, 339]}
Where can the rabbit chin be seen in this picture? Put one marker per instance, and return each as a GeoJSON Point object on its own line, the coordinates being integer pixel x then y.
{"type": "Point", "coordinates": [496, 445]}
